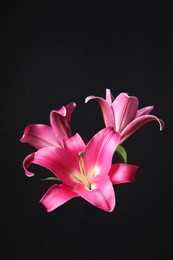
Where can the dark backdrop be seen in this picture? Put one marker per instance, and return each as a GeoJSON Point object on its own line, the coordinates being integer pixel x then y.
{"type": "Point", "coordinates": [52, 54]}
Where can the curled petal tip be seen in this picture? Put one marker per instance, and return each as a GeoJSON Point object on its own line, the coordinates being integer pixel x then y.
{"type": "Point", "coordinates": [87, 99]}
{"type": "Point", "coordinates": [29, 174]}
{"type": "Point", "coordinates": [21, 139]}
{"type": "Point", "coordinates": [162, 124]}
{"type": "Point", "coordinates": [62, 111]}
{"type": "Point", "coordinates": [73, 104]}
{"type": "Point", "coordinates": [26, 164]}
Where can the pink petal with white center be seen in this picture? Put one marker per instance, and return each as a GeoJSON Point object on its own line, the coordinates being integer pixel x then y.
{"type": "Point", "coordinates": [137, 124]}
{"type": "Point", "coordinates": [100, 149]}
{"type": "Point", "coordinates": [122, 173]}
{"type": "Point", "coordinates": [60, 120]}
{"type": "Point", "coordinates": [106, 108]}
{"type": "Point", "coordinates": [101, 194]}
{"type": "Point", "coordinates": [56, 196]}
{"type": "Point", "coordinates": [74, 143]}
{"type": "Point", "coordinates": [125, 108]}
{"type": "Point", "coordinates": [39, 136]}
{"type": "Point", "coordinates": [63, 163]}
{"type": "Point", "coordinates": [144, 111]}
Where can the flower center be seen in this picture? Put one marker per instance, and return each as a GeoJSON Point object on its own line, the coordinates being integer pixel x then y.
{"type": "Point", "coordinates": [82, 175]}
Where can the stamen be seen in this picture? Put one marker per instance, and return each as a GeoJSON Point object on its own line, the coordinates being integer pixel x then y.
{"type": "Point", "coordinates": [83, 170]}
{"type": "Point", "coordinates": [81, 153]}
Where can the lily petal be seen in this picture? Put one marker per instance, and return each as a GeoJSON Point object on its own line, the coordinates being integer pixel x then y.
{"type": "Point", "coordinates": [122, 173]}
{"type": "Point", "coordinates": [137, 124]}
{"type": "Point", "coordinates": [100, 149]}
{"type": "Point", "coordinates": [57, 195]}
{"type": "Point", "coordinates": [74, 143]}
{"type": "Point", "coordinates": [39, 136]}
{"type": "Point", "coordinates": [107, 112]}
{"type": "Point", "coordinates": [102, 194]}
{"type": "Point", "coordinates": [26, 164]}
{"type": "Point", "coordinates": [55, 159]}
{"type": "Point", "coordinates": [125, 108]}
{"type": "Point", "coordinates": [144, 111]}
{"type": "Point", "coordinates": [60, 120]}
{"type": "Point", "coordinates": [109, 97]}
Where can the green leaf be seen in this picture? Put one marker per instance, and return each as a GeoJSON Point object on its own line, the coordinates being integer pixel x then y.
{"type": "Point", "coordinates": [51, 179]}
{"type": "Point", "coordinates": [122, 153]}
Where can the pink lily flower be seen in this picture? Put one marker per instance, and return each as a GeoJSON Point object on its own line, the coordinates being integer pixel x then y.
{"type": "Point", "coordinates": [123, 115]}
{"type": "Point", "coordinates": [40, 135]}
{"type": "Point", "coordinates": [85, 170]}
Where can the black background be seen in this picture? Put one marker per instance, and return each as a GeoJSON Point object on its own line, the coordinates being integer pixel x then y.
{"type": "Point", "coordinates": [54, 53]}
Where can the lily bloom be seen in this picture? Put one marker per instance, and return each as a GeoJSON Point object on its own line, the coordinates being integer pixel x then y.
{"type": "Point", "coordinates": [85, 170]}
{"type": "Point", "coordinates": [40, 135]}
{"type": "Point", "coordinates": [123, 115]}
